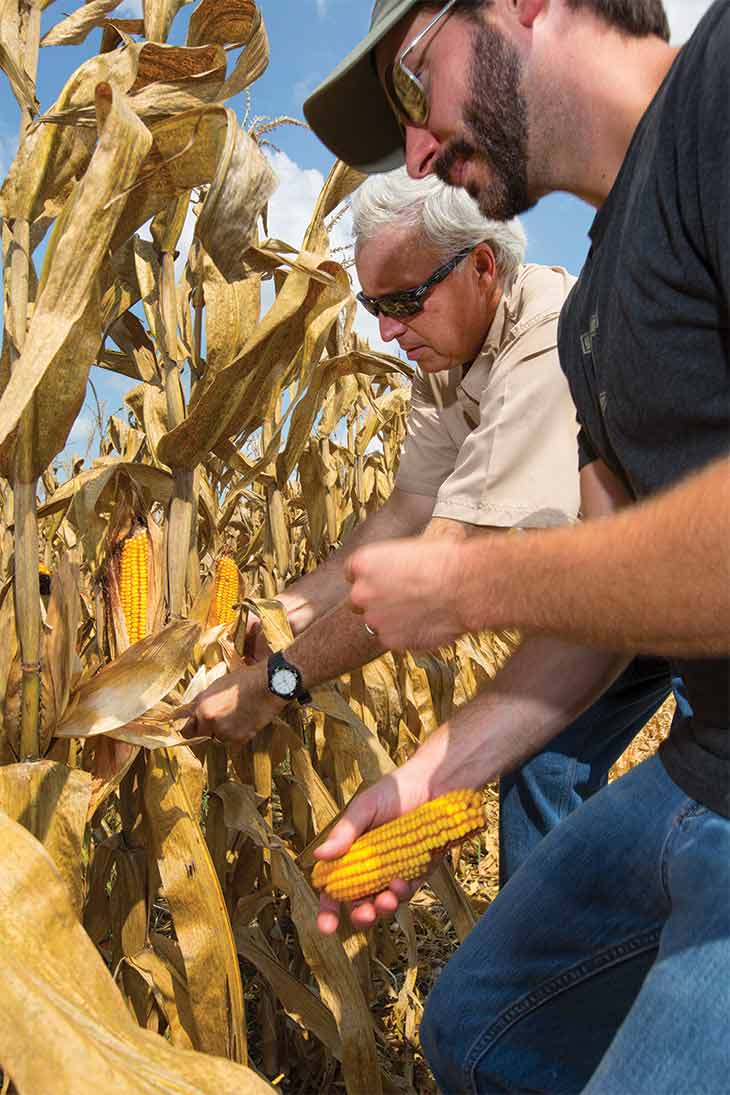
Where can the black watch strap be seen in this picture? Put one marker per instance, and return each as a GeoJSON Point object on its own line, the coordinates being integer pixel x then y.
{"type": "Point", "coordinates": [277, 662]}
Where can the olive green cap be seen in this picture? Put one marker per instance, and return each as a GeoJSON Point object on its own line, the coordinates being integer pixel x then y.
{"type": "Point", "coordinates": [350, 113]}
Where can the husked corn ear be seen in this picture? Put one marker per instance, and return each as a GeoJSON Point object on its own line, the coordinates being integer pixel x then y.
{"type": "Point", "coordinates": [225, 590]}
{"type": "Point", "coordinates": [401, 848]}
{"type": "Point", "coordinates": [134, 584]}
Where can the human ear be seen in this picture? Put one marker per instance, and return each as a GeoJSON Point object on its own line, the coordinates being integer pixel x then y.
{"type": "Point", "coordinates": [485, 263]}
{"type": "Point", "coordinates": [527, 11]}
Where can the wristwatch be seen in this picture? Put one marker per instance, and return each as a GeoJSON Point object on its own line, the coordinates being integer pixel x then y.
{"type": "Point", "coordinates": [285, 680]}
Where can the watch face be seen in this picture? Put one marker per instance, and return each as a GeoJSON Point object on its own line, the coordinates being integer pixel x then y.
{"type": "Point", "coordinates": [283, 682]}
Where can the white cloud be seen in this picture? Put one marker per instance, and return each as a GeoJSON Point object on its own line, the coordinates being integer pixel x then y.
{"type": "Point", "coordinates": [130, 9]}
{"type": "Point", "coordinates": [81, 433]}
{"type": "Point", "coordinates": [684, 15]}
{"type": "Point", "coordinates": [8, 148]}
{"type": "Point", "coordinates": [321, 8]}
{"type": "Point", "coordinates": [290, 210]}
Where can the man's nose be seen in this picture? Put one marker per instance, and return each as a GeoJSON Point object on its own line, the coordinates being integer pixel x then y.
{"type": "Point", "coordinates": [422, 149]}
{"type": "Point", "coordinates": [390, 327]}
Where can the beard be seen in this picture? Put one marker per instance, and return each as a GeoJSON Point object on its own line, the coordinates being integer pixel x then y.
{"type": "Point", "coordinates": [496, 128]}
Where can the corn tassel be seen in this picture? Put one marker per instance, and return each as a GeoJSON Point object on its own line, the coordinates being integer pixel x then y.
{"type": "Point", "coordinates": [134, 584]}
{"type": "Point", "coordinates": [225, 591]}
{"type": "Point", "coordinates": [403, 848]}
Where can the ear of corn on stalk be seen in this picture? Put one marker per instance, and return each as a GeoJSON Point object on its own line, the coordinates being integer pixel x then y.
{"type": "Point", "coordinates": [134, 584]}
{"type": "Point", "coordinates": [226, 592]}
{"type": "Point", "coordinates": [402, 848]}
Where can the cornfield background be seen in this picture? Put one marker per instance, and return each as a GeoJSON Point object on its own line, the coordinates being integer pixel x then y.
{"type": "Point", "coordinates": [159, 926]}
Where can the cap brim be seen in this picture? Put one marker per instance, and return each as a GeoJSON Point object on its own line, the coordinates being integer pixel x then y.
{"type": "Point", "coordinates": [350, 113]}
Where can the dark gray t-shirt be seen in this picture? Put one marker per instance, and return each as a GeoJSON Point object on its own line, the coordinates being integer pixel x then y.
{"type": "Point", "coordinates": [644, 338]}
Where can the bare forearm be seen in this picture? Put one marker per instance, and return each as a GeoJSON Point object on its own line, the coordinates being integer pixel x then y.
{"type": "Point", "coordinates": [543, 687]}
{"type": "Point", "coordinates": [317, 593]}
{"type": "Point", "coordinates": [653, 578]}
{"type": "Point", "coordinates": [338, 641]}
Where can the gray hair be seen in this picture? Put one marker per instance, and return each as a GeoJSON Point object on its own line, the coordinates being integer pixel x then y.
{"type": "Point", "coordinates": [446, 216]}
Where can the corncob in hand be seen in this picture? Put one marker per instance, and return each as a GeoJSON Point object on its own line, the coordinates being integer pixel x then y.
{"type": "Point", "coordinates": [134, 584]}
{"type": "Point", "coordinates": [402, 848]}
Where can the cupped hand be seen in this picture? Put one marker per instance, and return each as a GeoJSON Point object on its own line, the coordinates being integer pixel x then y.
{"type": "Point", "coordinates": [384, 801]}
{"type": "Point", "coordinates": [409, 592]}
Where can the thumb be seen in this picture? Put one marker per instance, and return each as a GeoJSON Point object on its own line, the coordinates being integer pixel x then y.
{"type": "Point", "coordinates": [357, 819]}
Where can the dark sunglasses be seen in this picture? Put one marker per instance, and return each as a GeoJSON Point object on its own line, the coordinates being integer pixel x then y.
{"type": "Point", "coordinates": [410, 301]}
{"type": "Point", "coordinates": [405, 92]}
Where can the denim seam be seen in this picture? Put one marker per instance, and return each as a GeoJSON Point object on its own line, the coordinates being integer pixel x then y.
{"type": "Point", "coordinates": [582, 971]}
{"type": "Point", "coordinates": [689, 810]}
{"type": "Point", "coordinates": [568, 787]}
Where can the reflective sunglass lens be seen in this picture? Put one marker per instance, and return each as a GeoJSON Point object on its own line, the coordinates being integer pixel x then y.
{"type": "Point", "coordinates": [411, 94]}
{"type": "Point", "coordinates": [399, 309]}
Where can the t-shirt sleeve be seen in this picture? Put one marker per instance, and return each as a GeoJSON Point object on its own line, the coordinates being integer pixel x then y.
{"type": "Point", "coordinates": [429, 453]}
{"type": "Point", "coordinates": [520, 465]}
{"type": "Point", "coordinates": [586, 453]}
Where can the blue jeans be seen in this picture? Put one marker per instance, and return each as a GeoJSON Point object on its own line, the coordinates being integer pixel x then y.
{"type": "Point", "coordinates": [603, 966]}
{"type": "Point", "coordinates": [533, 799]}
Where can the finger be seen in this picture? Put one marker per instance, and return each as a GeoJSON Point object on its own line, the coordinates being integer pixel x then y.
{"type": "Point", "coordinates": [403, 891]}
{"type": "Point", "coordinates": [386, 903]}
{"type": "Point", "coordinates": [363, 914]}
{"type": "Point", "coordinates": [328, 918]}
{"type": "Point", "coordinates": [190, 729]}
{"type": "Point", "coordinates": [359, 816]}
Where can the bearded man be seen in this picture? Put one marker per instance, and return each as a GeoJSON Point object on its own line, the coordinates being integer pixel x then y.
{"type": "Point", "coordinates": [604, 964]}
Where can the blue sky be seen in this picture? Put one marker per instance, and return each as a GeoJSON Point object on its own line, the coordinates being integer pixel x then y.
{"type": "Point", "coordinates": [308, 38]}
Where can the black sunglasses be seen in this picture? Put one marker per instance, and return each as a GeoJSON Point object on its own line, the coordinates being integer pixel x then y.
{"type": "Point", "coordinates": [410, 301]}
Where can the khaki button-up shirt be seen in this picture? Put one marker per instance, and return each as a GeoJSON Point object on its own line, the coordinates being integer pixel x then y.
{"type": "Point", "coordinates": [497, 445]}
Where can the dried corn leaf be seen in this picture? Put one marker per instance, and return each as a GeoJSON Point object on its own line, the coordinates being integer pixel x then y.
{"type": "Point", "coordinates": [339, 184]}
{"type": "Point", "coordinates": [325, 954]}
{"type": "Point", "coordinates": [59, 647]}
{"type": "Point", "coordinates": [242, 394]}
{"type": "Point", "coordinates": [158, 17]}
{"type": "Point", "coordinates": [75, 27]}
{"type": "Point", "coordinates": [298, 1001]}
{"type": "Point", "coordinates": [20, 81]}
{"type": "Point", "coordinates": [233, 23]}
{"type": "Point", "coordinates": [232, 310]}
{"type": "Point", "coordinates": [63, 329]}
{"type": "Point", "coordinates": [131, 685]}
{"type": "Point", "coordinates": [198, 909]}
{"type": "Point", "coordinates": [170, 991]}
{"type": "Point", "coordinates": [243, 183]}
{"type": "Point", "coordinates": [131, 337]}
{"type": "Point", "coordinates": [51, 801]}
{"type": "Point", "coordinates": [78, 1036]}
{"type": "Point", "coordinates": [108, 761]}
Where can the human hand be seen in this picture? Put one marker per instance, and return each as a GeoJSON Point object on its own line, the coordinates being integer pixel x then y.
{"type": "Point", "coordinates": [256, 647]}
{"type": "Point", "coordinates": [235, 707]}
{"type": "Point", "coordinates": [382, 802]}
{"type": "Point", "coordinates": [409, 591]}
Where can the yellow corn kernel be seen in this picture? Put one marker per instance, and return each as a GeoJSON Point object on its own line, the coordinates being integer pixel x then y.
{"type": "Point", "coordinates": [402, 848]}
{"type": "Point", "coordinates": [225, 591]}
{"type": "Point", "coordinates": [134, 584]}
